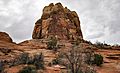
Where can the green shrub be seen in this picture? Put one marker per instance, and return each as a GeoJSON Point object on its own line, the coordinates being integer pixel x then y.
{"type": "Point", "coordinates": [23, 58]}
{"type": "Point", "coordinates": [52, 43]}
{"type": "Point", "coordinates": [38, 61]}
{"type": "Point", "coordinates": [98, 59]}
{"type": "Point", "coordinates": [13, 63]}
{"type": "Point", "coordinates": [28, 69]}
{"type": "Point", "coordinates": [56, 61]}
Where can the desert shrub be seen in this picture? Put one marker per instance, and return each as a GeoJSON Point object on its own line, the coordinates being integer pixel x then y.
{"type": "Point", "coordinates": [53, 62]}
{"type": "Point", "coordinates": [28, 69]}
{"type": "Point", "coordinates": [99, 45]}
{"type": "Point", "coordinates": [56, 61]}
{"type": "Point", "coordinates": [38, 61]}
{"type": "Point", "coordinates": [98, 59]}
{"type": "Point", "coordinates": [104, 45]}
{"type": "Point", "coordinates": [1, 66]}
{"type": "Point", "coordinates": [23, 58]}
{"type": "Point", "coordinates": [89, 56]}
{"type": "Point", "coordinates": [75, 60]}
{"type": "Point", "coordinates": [13, 63]}
{"type": "Point", "coordinates": [30, 61]}
{"type": "Point", "coordinates": [52, 43]}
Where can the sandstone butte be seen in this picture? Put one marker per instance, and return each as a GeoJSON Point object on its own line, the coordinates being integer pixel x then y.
{"type": "Point", "coordinates": [64, 25]}
{"type": "Point", "coordinates": [59, 22]}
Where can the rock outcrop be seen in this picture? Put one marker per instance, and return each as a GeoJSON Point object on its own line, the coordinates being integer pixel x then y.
{"type": "Point", "coordinates": [59, 22]}
{"type": "Point", "coordinates": [5, 37]}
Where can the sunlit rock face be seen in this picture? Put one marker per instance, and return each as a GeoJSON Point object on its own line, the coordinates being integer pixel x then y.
{"type": "Point", "coordinates": [59, 22]}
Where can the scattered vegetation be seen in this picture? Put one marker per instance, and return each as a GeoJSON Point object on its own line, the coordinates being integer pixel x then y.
{"type": "Point", "coordinates": [102, 45]}
{"type": "Point", "coordinates": [99, 45]}
{"type": "Point", "coordinates": [22, 59]}
{"type": "Point", "coordinates": [36, 60]}
{"type": "Point", "coordinates": [75, 60]}
{"type": "Point", "coordinates": [28, 69]}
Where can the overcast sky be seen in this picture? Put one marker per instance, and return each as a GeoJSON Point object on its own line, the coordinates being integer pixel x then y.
{"type": "Point", "coordinates": [100, 19]}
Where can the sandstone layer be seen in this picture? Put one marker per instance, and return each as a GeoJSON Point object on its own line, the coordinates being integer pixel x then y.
{"type": "Point", "coordinates": [59, 22]}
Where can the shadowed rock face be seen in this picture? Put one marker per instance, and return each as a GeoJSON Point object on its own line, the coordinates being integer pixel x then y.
{"type": "Point", "coordinates": [5, 37]}
{"type": "Point", "coordinates": [59, 22]}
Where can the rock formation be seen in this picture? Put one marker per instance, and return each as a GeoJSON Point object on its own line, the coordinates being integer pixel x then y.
{"type": "Point", "coordinates": [5, 37]}
{"type": "Point", "coordinates": [64, 25]}
{"type": "Point", "coordinates": [59, 22]}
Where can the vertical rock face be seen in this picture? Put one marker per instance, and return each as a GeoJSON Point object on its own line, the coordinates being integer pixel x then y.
{"type": "Point", "coordinates": [59, 22]}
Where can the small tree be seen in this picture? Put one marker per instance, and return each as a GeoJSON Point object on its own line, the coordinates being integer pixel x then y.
{"type": "Point", "coordinates": [75, 61]}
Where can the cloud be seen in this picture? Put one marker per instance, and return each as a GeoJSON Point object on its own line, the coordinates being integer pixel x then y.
{"type": "Point", "coordinates": [99, 18]}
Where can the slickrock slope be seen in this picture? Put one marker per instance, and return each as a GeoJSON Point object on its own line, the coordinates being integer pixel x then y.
{"type": "Point", "coordinates": [57, 21]}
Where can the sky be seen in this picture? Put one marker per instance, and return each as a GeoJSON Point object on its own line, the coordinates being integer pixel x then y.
{"type": "Point", "coordinates": [100, 19]}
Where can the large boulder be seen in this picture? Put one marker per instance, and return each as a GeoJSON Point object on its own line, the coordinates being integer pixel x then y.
{"type": "Point", "coordinates": [5, 37]}
{"type": "Point", "coordinates": [59, 22]}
